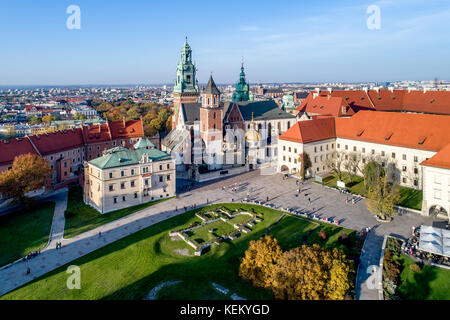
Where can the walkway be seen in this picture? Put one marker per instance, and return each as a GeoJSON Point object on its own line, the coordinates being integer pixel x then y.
{"type": "Point", "coordinates": [367, 281]}
{"type": "Point", "coordinates": [57, 231]}
{"type": "Point", "coordinates": [282, 193]}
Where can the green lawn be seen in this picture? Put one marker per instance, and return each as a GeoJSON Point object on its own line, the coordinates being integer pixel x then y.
{"type": "Point", "coordinates": [241, 218]}
{"type": "Point", "coordinates": [131, 267]}
{"type": "Point", "coordinates": [431, 283]}
{"type": "Point", "coordinates": [23, 232]}
{"type": "Point", "coordinates": [87, 218]}
{"type": "Point", "coordinates": [202, 234]}
{"type": "Point", "coordinates": [409, 198]}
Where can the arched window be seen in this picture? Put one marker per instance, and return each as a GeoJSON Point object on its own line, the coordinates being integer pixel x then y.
{"type": "Point", "coordinates": [214, 115]}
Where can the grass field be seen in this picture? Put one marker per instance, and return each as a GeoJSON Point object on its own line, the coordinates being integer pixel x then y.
{"type": "Point", "coordinates": [131, 267]}
{"type": "Point", "coordinates": [23, 232]}
{"type": "Point", "coordinates": [87, 218]}
{"type": "Point", "coordinates": [409, 198]}
{"type": "Point", "coordinates": [431, 283]}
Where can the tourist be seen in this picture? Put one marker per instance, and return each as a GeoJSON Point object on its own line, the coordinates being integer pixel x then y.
{"type": "Point", "coordinates": [99, 234]}
{"type": "Point", "coordinates": [28, 270]}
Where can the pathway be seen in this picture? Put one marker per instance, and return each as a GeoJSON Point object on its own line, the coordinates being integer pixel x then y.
{"type": "Point", "coordinates": [366, 280]}
{"type": "Point", "coordinates": [282, 193]}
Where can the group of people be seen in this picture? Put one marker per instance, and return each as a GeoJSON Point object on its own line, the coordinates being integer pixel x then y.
{"type": "Point", "coordinates": [411, 248]}
{"type": "Point", "coordinates": [58, 245]}
{"type": "Point", "coordinates": [31, 255]}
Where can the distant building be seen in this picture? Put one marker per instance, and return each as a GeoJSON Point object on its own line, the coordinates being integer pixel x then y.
{"type": "Point", "coordinates": [127, 177]}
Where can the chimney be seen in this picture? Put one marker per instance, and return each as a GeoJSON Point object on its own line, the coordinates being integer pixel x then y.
{"type": "Point", "coordinates": [425, 90]}
{"type": "Point", "coordinates": [391, 89]}
{"type": "Point", "coordinates": [377, 89]}
{"type": "Point", "coordinates": [330, 90]}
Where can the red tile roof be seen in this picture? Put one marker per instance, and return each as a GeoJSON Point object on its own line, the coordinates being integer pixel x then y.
{"type": "Point", "coordinates": [13, 148]}
{"type": "Point", "coordinates": [440, 159]}
{"type": "Point", "coordinates": [126, 129]}
{"type": "Point", "coordinates": [58, 141]}
{"type": "Point", "coordinates": [310, 131]}
{"type": "Point", "coordinates": [113, 130]}
{"type": "Point", "coordinates": [433, 102]}
{"type": "Point", "coordinates": [417, 131]}
{"type": "Point", "coordinates": [328, 106]}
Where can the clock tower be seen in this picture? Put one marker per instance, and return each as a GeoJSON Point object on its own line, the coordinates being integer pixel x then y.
{"type": "Point", "coordinates": [186, 84]}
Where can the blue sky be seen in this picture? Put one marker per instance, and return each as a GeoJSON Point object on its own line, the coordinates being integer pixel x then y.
{"type": "Point", "coordinates": [138, 42]}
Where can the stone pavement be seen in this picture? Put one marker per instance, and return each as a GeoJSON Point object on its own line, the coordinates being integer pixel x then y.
{"type": "Point", "coordinates": [57, 231]}
{"type": "Point", "coordinates": [366, 280]}
{"type": "Point", "coordinates": [282, 193]}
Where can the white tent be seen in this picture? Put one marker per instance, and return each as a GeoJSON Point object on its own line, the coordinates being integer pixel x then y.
{"type": "Point", "coordinates": [434, 240]}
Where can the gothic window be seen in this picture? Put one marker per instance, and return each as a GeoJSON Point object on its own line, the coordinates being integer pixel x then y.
{"type": "Point", "coordinates": [188, 79]}
{"type": "Point", "coordinates": [214, 112]}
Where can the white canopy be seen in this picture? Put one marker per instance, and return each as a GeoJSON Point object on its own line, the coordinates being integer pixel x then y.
{"type": "Point", "coordinates": [435, 240]}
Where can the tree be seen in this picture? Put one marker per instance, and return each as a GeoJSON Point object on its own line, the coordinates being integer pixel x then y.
{"type": "Point", "coordinates": [352, 164]}
{"type": "Point", "coordinates": [28, 173]}
{"type": "Point", "coordinates": [157, 124]}
{"type": "Point", "coordinates": [382, 196]}
{"type": "Point", "coordinates": [305, 164]}
{"type": "Point", "coordinates": [336, 163]}
{"type": "Point", "coordinates": [47, 119]}
{"type": "Point", "coordinates": [372, 172]}
{"type": "Point", "coordinates": [312, 273]}
{"type": "Point", "coordinates": [259, 260]}
{"type": "Point", "coordinates": [35, 120]}
{"type": "Point", "coordinates": [79, 116]}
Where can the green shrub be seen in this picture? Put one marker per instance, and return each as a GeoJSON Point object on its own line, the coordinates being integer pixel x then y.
{"type": "Point", "coordinates": [415, 268]}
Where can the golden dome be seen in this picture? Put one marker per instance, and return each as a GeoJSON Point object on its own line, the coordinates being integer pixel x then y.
{"type": "Point", "coordinates": [252, 134]}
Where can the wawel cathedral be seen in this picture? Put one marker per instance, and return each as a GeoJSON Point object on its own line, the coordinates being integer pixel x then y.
{"type": "Point", "coordinates": [211, 135]}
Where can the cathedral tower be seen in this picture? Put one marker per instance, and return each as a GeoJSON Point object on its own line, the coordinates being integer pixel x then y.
{"type": "Point", "coordinates": [242, 88]}
{"type": "Point", "coordinates": [211, 128]}
{"type": "Point", "coordinates": [186, 84]}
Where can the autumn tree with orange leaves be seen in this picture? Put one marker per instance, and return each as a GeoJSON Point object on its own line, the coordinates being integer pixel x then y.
{"type": "Point", "coordinates": [259, 260]}
{"type": "Point", "coordinates": [28, 173]}
{"type": "Point", "coordinates": [306, 273]}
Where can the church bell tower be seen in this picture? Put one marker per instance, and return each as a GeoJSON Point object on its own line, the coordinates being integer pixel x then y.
{"type": "Point", "coordinates": [186, 84]}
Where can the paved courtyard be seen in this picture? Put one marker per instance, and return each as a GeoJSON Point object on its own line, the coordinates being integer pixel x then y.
{"type": "Point", "coordinates": [282, 193]}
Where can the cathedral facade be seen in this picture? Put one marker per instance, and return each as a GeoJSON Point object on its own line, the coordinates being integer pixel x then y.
{"type": "Point", "coordinates": [211, 134]}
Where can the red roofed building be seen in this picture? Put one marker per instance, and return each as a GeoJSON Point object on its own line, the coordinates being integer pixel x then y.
{"type": "Point", "coordinates": [416, 101]}
{"type": "Point", "coordinates": [67, 150]}
{"type": "Point", "coordinates": [416, 145]}
{"type": "Point", "coordinates": [13, 148]}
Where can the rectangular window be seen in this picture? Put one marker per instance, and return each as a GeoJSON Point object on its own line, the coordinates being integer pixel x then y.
{"type": "Point", "coordinates": [132, 184]}
{"type": "Point", "coordinates": [393, 155]}
{"type": "Point", "coordinates": [160, 179]}
{"type": "Point", "coordinates": [115, 199]}
{"type": "Point", "coordinates": [111, 187]}
{"type": "Point", "coordinates": [110, 175]}
{"type": "Point", "coordinates": [168, 178]}
{"type": "Point", "coordinates": [354, 148]}
{"type": "Point", "coordinates": [135, 195]}
{"type": "Point", "coordinates": [404, 157]}
{"type": "Point", "coordinates": [124, 198]}
{"type": "Point", "coordinates": [132, 172]}
{"type": "Point", "coordinates": [404, 168]}
{"type": "Point", "coordinates": [122, 173]}
{"type": "Point", "coordinates": [373, 151]}
{"type": "Point", "coordinates": [437, 179]}
{"type": "Point", "coordinates": [383, 153]}
{"type": "Point", "coordinates": [416, 159]}
{"type": "Point", "coordinates": [363, 150]}
{"type": "Point", "coordinates": [437, 194]}
{"type": "Point", "coordinates": [122, 185]}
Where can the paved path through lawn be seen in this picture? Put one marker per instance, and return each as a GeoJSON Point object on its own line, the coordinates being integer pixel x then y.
{"type": "Point", "coordinates": [57, 231]}
{"type": "Point", "coordinates": [282, 193]}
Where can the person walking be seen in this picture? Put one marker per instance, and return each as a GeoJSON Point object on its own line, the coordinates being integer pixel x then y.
{"type": "Point", "coordinates": [99, 234]}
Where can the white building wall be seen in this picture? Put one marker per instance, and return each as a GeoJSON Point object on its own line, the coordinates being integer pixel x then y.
{"type": "Point", "coordinates": [436, 189]}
